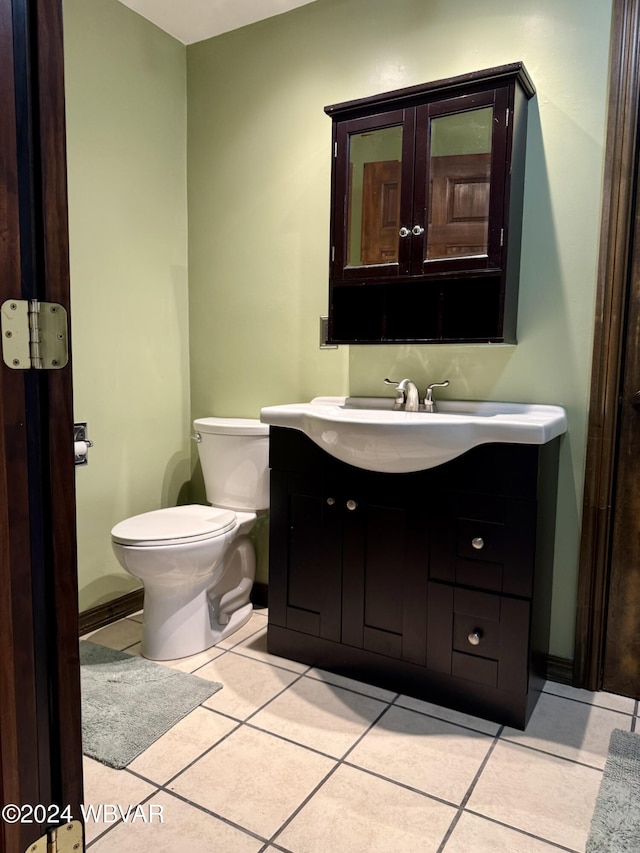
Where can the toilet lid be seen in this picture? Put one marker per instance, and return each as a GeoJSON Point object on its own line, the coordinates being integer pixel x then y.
{"type": "Point", "coordinates": [178, 524]}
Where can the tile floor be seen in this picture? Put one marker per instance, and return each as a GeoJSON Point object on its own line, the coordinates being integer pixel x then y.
{"type": "Point", "coordinates": [288, 758]}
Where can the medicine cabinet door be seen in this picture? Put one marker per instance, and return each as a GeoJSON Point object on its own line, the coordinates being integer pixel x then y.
{"type": "Point", "coordinates": [373, 196]}
{"type": "Point", "coordinates": [460, 184]}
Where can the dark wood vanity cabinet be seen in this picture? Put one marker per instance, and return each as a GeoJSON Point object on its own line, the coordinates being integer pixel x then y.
{"type": "Point", "coordinates": [436, 584]}
{"type": "Point", "coordinates": [426, 211]}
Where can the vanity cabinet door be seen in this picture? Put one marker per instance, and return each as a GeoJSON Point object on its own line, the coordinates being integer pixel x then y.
{"type": "Point", "coordinates": [348, 560]}
{"type": "Point", "coordinates": [305, 555]}
{"type": "Point", "coordinates": [385, 555]}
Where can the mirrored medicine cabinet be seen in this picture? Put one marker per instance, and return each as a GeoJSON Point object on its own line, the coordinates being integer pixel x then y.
{"type": "Point", "coordinates": [426, 211]}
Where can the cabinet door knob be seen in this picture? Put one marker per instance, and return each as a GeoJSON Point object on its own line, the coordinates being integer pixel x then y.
{"type": "Point", "coordinates": [417, 230]}
{"type": "Point", "coordinates": [478, 543]}
{"type": "Point", "coordinates": [404, 232]}
{"type": "Point", "coordinates": [475, 636]}
{"type": "Point", "coordinates": [351, 505]}
{"type": "Point", "coordinates": [331, 501]}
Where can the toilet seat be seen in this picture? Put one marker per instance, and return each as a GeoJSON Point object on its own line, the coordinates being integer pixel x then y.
{"type": "Point", "coordinates": [174, 525]}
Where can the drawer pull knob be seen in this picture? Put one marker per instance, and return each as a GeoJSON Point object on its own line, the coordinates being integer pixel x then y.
{"type": "Point", "coordinates": [352, 505]}
{"type": "Point", "coordinates": [475, 637]}
{"type": "Point", "coordinates": [331, 501]}
{"type": "Point", "coordinates": [478, 543]}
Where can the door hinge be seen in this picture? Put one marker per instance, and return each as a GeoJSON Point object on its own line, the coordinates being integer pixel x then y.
{"type": "Point", "coordinates": [68, 838]}
{"type": "Point", "coordinates": [501, 237]}
{"type": "Point", "coordinates": [335, 149]}
{"type": "Point", "coordinates": [34, 335]}
{"type": "Point", "coordinates": [506, 124]}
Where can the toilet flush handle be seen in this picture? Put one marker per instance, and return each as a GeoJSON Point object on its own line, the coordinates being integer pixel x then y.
{"type": "Point", "coordinates": [197, 437]}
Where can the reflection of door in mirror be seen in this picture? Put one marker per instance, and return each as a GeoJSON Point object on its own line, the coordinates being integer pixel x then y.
{"type": "Point", "coordinates": [459, 182]}
{"type": "Point", "coordinates": [375, 166]}
{"type": "Point", "coordinates": [459, 198]}
{"type": "Point", "coordinates": [380, 212]}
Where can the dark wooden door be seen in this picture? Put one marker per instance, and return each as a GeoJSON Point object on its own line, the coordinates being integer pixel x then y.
{"type": "Point", "coordinates": [40, 742]}
{"type": "Point", "coordinates": [621, 672]}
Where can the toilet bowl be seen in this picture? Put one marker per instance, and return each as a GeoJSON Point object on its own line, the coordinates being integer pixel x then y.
{"type": "Point", "coordinates": [197, 563]}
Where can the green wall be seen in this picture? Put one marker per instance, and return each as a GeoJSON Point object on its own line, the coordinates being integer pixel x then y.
{"type": "Point", "coordinates": [126, 144]}
{"type": "Point", "coordinates": [258, 186]}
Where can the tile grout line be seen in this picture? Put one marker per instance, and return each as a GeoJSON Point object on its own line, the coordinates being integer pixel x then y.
{"type": "Point", "coordinates": [588, 704]}
{"type": "Point", "coordinates": [469, 791]}
{"type": "Point", "coordinates": [551, 754]}
{"type": "Point", "coordinates": [463, 804]}
{"type": "Point", "coordinates": [404, 785]}
{"type": "Point", "coordinates": [211, 813]}
{"type": "Point", "coordinates": [524, 832]}
{"type": "Point", "coordinates": [462, 808]}
{"type": "Point", "coordinates": [120, 821]}
{"type": "Point", "coordinates": [466, 726]}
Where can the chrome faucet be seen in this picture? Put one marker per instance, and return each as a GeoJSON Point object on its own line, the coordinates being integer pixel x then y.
{"type": "Point", "coordinates": [429, 402]}
{"type": "Point", "coordinates": [407, 396]}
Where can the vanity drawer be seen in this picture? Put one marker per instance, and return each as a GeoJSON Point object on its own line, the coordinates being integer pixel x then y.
{"type": "Point", "coordinates": [475, 636]}
{"type": "Point", "coordinates": [479, 574]}
{"type": "Point", "coordinates": [476, 623]}
{"type": "Point", "coordinates": [479, 554]}
{"type": "Point", "coordinates": [484, 541]}
{"type": "Point", "coordinates": [478, 636]}
{"type": "Point", "coordinates": [480, 670]}
{"type": "Point", "coordinates": [480, 540]}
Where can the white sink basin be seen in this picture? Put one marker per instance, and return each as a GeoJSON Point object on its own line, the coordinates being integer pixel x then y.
{"type": "Point", "coordinates": [368, 433]}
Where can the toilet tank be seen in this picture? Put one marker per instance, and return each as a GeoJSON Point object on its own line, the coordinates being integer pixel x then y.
{"type": "Point", "coordinates": [234, 454]}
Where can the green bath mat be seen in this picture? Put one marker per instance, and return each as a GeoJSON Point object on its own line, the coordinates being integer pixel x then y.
{"type": "Point", "coordinates": [615, 826]}
{"type": "Point", "coordinates": [129, 702]}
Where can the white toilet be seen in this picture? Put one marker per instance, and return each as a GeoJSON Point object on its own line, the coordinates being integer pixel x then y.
{"type": "Point", "coordinates": [197, 563]}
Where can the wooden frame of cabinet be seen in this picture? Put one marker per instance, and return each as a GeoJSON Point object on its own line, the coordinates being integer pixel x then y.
{"type": "Point", "coordinates": [374, 576]}
{"type": "Point", "coordinates": [470, 296]}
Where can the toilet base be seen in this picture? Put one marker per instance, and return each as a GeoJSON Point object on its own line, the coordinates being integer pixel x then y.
{"type": "Point", "coordinates": [190, 639]}
{"type": "Point", "coordinates": [173, 628]}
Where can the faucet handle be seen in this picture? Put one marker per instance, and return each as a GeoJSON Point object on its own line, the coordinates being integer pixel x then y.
{"type": "Point", "coordinates": [429, 404]}
{"type": "Point", "coordinates": [429, 392]}
{"type": "Point", "coordinates": [401, 385]}
{"type": "Point", "coordinates": [401, 394]}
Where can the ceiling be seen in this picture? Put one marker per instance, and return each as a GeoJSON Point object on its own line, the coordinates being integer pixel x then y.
{"type": "Point", "coordinates": [194, 20]}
